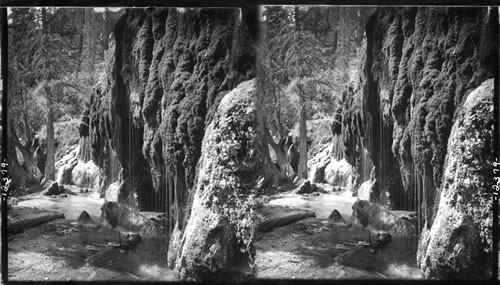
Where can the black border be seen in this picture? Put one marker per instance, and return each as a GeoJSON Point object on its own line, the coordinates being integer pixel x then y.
{"type": "Point", "coordinates": [237, 4]}
{"type": "Point", "coordinates": [496, 144]}
{"type": "Point", "coordinates": [241, 3]}
{"type": "Point", "coordinates": [5, 79]}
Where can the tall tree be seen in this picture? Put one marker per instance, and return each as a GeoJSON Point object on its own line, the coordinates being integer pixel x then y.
{"type": "Point", "coordinates": [294, 57]}
{"type": "Point", "coordinates": [45, 60]}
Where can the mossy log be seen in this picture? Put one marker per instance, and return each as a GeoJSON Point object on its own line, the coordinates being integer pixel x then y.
{"type": "Point", "coordinates": [21, 225]}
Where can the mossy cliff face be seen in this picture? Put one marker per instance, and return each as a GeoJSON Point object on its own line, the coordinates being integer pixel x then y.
{"type": "Point", "coordinates": [165, 78]}
{"type": "Point", "coordinates": [420, 65]}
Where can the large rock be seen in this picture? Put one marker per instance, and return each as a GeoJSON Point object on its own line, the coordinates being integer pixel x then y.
{"type": "Point", "coordinates": [54, 189]}
{"type": "Point", "coordinates": [459, 243]}
{"type": "Point", "coordinates": [336, 217]}
{"type": "Point", "coordinates": [166, 74]}
{"type": "Point", "coordinates": [305, 188]}
{"type": "Point", "coordinates": [114, 214]}
{"type": "Point", "coordinates": [419, 65]}
{"type": "Point", "coordinates": [365, 213]}
{"type": "Point", "coordinates": [218, 238]}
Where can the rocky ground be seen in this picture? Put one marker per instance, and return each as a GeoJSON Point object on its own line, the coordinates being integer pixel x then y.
{"type": "Point", "coordinates": [314, 248]}
{"type": "Point", "coordinates": [60, 250]}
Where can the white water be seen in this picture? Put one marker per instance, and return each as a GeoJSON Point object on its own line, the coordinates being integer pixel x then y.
{"type": "Point", "coordinates": [322, 205]}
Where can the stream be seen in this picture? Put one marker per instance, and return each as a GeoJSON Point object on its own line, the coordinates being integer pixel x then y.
{"type": "Point", "coordinates": [60, 251]}
{"type": "Point", "coordinates": [313, 248]}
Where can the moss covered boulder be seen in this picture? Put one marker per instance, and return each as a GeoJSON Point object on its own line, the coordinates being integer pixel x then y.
{"type": "Point", "coordinates": [218, 239]}
{"type": "Point", "coordinates": [459, 243]}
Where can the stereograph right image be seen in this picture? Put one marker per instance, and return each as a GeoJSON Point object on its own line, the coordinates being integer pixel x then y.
{"type": "Point", "coordinates": [265, 142]}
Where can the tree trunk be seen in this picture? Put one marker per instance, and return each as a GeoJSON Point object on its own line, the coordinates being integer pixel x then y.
{"type": "Point", "coordinates": [303, 141]}
{"type": "Point", "coordinates": [29, 163]}
{"type": "Point", "coordinates": [286, 168]}
{"type": "Point", "coordinates": [268, 224]}
{"type": "Point", "coordinates": [21, 225]}
{"type": "Point", "coordinates": [20, 177]}
{"type": "Point", "coordinates": [278, 114]}
{"type": "Point", "coordinates": [27, 129]}
{"type": "Point", "coordinates": [272, 171]}
{"type": "Point", "coordinates": [50, 162]}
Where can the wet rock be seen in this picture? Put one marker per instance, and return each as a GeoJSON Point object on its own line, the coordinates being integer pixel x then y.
{"type": "Point", "coordinates": [339, 173]}
{"type": "Point", "coordinates": [317, 164]}
{"type": "Point", "coordinates": [54, 189]}
{"type": "Point", "coordinates": [61, 189]}
{"type": "Point", "coordinates": [336, 217]}
{"type": "Point", "coordinates": [318, 174]}
{"type": "Point", "coordinates": [114, 214]}
{"type": "Point", "coordinates": [87, 174]}
{"type": "Point", "coordinates": [65, 166]}
{"type": "Point", "coordinates": [365, 190]}
{"type": "Point", "coordinates": [113, 191]}
{"type": "Point", "coordinates": [411, 90]}
{"type": "Point", "coordinates": [459, 243]}
{"type": "Point", "coordinates": [131, 241]}
{"type": "Point", "coordinates": [84, 220]}
{"type": "Point", "coordinates": [365, 213]}
{"type": "Point", "coordinates": [305, 188]}
{"type": "Point", "coordinates": [177, 66]}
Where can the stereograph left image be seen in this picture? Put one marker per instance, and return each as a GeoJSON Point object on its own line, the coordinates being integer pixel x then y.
{"type": "Point", "coordinates": [265, 142]}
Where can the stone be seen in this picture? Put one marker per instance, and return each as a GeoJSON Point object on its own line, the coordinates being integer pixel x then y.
{"type": "Point", "coordinates": [365, 213]}
{"type": "Point", "coordinates": [54, 189]}
{"type": "Point", "coordinates": [218, 238]}
{"type": "Point", "coordinates": [336, 217]}
{"type": "Point", "coordinates": [314, 187]}
{"type": "Point", "coordinates": [131, 241]}
{"type": "Point", "coordinates": [61, 189]}
{"type": "Point", "coordinates": [84, 220]}
{"type": "Point", "coordinates": [65, 166]}
{"type": "Point", "coordinates": [114, 214]}
{"type": "Point", "coordinates": [113, 191]}
{"type": "Point", "coordinates": [339, 173]}
{"type": "Point", "coordinates": [87, 174]}
{"type": "Point", "coordinates": [305, 188]}
{"type": "Point", "coordinates": [365, 190]}
{"type": "Point", "coordinates": [459, 242]}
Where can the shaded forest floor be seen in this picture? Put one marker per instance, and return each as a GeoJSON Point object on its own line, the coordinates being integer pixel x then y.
{"type": "Point", "coordinates": [59, 250]}
{"type": "Point", "coordinates": [313, 248]}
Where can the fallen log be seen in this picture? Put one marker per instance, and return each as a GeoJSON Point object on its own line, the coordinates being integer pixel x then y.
{"type": "Point", "coordinates": [267, 225]}
{"type": "Point", "coordinates": [272, 216]}
{"type": "Point", "coordinates": [20, 225]}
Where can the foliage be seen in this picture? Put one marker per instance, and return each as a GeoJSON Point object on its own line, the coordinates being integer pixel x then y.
{"type": "Point", "coordinates": [55, 56]}
{"type": "Point", "coordinates": [316, 46]}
